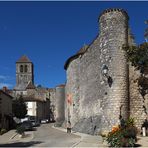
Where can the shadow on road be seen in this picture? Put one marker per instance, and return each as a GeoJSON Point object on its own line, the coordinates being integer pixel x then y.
{"type": "Point", "coordinates": [21, 144]}
{"type": "Point", "coordinates": [137, 145]}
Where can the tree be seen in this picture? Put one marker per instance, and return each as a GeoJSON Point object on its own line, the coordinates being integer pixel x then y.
{"type": "Point", "coordinates": [138, 55]}
{"type": "Point", "coordinates": [19, 108]}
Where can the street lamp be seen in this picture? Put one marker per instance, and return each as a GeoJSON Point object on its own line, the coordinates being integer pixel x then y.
{"type": "Point", "coordinates": [105, 74]}
{"type": "Point", "coordinates": [105, 70]}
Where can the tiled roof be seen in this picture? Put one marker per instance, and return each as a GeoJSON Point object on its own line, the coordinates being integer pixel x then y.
{"type": "Point", "coordinates": [30, 86]}
{"type": "Point", "coordinates": [61, 85]}
{"type": "Point", "coordinates": [24, 59]}
{"type": "Point", "coordinates": [33, 97]}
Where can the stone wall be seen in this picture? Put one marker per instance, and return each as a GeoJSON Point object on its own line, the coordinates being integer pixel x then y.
{"type": "Point", "coordinates": [60, 105]}
{"type": "Point", "coordinates": [72, 91]}
{"type": "Point", "coordinates": [138, 102]}
{"type": "Point", "coordinates": [52, 104]}
{"type": "Point", "coordinates": [98, 100]}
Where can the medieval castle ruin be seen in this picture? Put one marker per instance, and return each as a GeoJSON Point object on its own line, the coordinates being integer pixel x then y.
{"type": "Point", "coordinates": [101, 85]}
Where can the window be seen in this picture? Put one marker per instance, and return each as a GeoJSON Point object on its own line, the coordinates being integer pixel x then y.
{"type": "Point", "coordinates": [26, 68]}
{"type": "Point", "coordinates": [21, 68]}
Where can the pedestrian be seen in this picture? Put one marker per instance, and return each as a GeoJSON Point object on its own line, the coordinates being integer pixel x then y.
{"type": "Point", "coordinates": [69, 127]}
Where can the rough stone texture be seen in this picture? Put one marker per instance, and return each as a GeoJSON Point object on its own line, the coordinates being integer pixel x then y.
{"type": "Point", "coordinates": [72, 89]}
{"type": "Point", "coordinates": [137, 101]}
{"type": "Point", "coordinates": [52, 103]}
{"type": "Point", "coordinates": [96, 104]}
{"type": "Point", "coordinates": [24, 74]}
{"type": "Point", "coordinates": [60, 105]}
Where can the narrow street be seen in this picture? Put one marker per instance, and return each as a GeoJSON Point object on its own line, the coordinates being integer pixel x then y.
{"type": "Point", "coordinates": [45, 136]}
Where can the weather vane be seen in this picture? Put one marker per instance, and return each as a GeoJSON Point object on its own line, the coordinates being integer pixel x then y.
{"type": "Point", "coordinates": [146, 32]}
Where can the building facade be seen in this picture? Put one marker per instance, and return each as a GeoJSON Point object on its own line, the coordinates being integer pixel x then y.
{"type": "Point", "coordinates": [5, 110]}
{"type": "Point", "coordinates": [99, 88]}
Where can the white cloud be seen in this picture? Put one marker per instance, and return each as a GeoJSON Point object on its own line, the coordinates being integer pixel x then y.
{"type": "Point", "coordinates": [5, 84]}
{"type": "Point", "coordinates": [2, 77]}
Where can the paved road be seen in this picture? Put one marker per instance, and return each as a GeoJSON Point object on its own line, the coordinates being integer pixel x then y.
{"type": "Point", "coordinates": [50, 137]}
{"type": "Point", "coordinates": [45, 136]}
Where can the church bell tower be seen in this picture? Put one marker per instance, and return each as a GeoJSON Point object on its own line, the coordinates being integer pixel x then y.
{"type": "Point", "coordinates": [24, 73]}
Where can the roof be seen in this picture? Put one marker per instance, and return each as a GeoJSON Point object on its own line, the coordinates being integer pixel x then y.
{"type": "Point", "coordinates": [24, 59]}
{"type": "Point", "coordinates": [61, 85]}
{"type": "Point", "coordinates": [33, 97]}
{"type": "Point", "coordinates": [1, 91]}
{"type": "Point", "coordinates": [30, 86]}
{"type": "Point", "coordinates": [81, 51]}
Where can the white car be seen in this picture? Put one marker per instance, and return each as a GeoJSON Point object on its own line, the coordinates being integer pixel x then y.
{"type": "Point", "coordinates": [44, 121]}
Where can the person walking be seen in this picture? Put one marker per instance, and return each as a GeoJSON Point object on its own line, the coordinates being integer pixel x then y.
{"type": "Point", "coordinates": [69, 127]}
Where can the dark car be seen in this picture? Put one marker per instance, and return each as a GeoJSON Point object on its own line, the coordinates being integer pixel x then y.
{"type": "Point", "coordinates": [27, 125]}
{"type": "Point", "coordinates": [35, 123]}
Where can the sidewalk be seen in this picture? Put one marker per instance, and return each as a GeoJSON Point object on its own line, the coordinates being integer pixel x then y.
{"type": "Point", "coordinates": [11, 136]}
{"type": "Point", "coordinates": [142, 141]}
{"type": "Point", "coordinates": [97, 141]}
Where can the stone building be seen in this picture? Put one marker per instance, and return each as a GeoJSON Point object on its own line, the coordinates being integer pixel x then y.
{"type": "Point", "coordinates": [43, 103]}
{"type": "Point", "coordinates": [5, 110]}
{"type": "Point", "coordinates": [100, 84]}
{"type": "Point", "coordinates": [36, 98]}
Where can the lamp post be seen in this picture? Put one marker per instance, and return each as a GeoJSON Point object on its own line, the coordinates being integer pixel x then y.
{"type": "Point", "coordinates": [105, 74]}
{"type": "Point", "coordinates": [105, 70]}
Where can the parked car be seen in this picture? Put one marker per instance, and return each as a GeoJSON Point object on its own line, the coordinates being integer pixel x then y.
{"type": "Point", "coordinates": [27, 125]}
{"type": "Point", "coordinates": [44, 121]}
{"type": "Point", "coordinates": [35, 123]}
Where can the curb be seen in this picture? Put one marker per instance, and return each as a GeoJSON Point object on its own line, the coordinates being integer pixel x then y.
{"type": "Point", "coordinates": [13, 136]}
{"type": "Point", "coordinates": [25, 139]}
{"type": "Point", "coordinates": [74, 145]}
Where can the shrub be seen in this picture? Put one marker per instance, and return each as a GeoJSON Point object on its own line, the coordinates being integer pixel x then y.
{"type": "Point", "coordinates": [3, 131]}
{"type": "Point", "coordinates": [20, 129]}
{"type": "Point", "coordinates": [123, 136]}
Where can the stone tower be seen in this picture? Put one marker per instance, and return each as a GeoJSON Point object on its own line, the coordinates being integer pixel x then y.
{"type": "Point", "coordinates": [99, 98]}
{"type": "Point", "coordinates": [60, 105]}
{"type": "Point", "coordinates": [24, 73]}
{"type": "Point", "coordinates": [114, 32]}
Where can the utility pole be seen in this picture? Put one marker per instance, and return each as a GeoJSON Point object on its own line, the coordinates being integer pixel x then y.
{"type": "Point", "coordinates": [146, 32]}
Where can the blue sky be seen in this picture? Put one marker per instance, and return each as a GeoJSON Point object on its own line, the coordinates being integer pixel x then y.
{"type": "Point", "coordinates": [50, 32]}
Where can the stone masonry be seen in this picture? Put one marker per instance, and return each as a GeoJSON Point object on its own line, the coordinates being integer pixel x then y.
{"type": "Point", "coordinates": [97, 100]}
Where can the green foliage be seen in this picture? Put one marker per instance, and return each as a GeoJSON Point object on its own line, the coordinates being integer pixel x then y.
{"type": "Point", "coordinates": [19, 108]}
{"type": "Point", "coordinates": [137, 55]}
{"type": "Point", "coordinates": [130, 122]}
{"type": "Point", "coordinates": [20, 129]}
{"type": "Point", "coordinates": [3, 131]}
{"type": "Point", "coordinates": [123, 136]}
